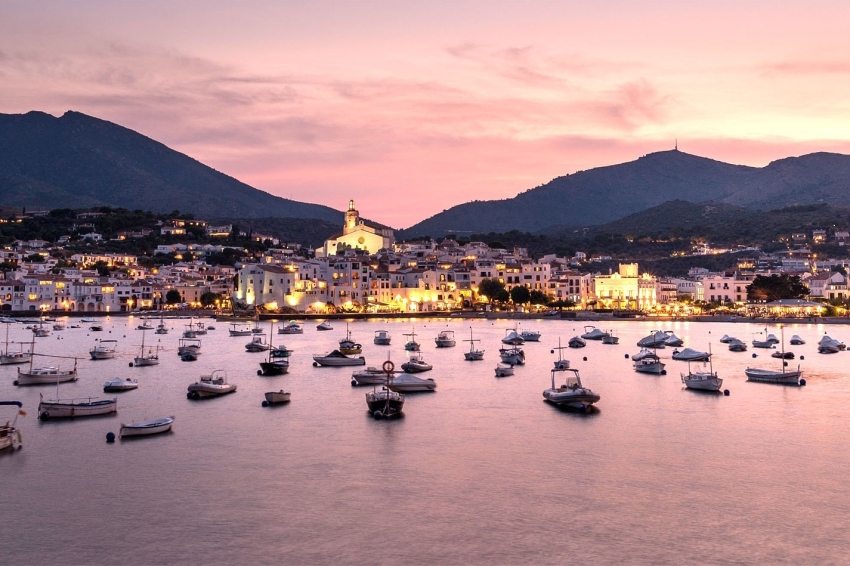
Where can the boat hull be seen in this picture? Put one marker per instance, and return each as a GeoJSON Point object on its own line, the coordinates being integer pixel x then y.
{"type": "Point", "coordinates": [277, 397]}
{"type": "Point", "coordinates": [204, 391]}
{"type": "Point", "coordinates": [338, 362]}
{"type": "Point", "coordinates": [777, 377]}
{"type": "Point", "coordinates": [141, 362]}
{"type": "Point", "coordinates": [71, 409]}
{"type": "Point", "coordinates": [26, 378]}
{"type": "Point", "coordinates": [574, 400]}
{"type": "Point", "coordinates": [146, 428]}
{"type": "Point", "coordinates": [12, 359]}
{"type": "Point", "coordinates": [274, 368]}
{"type": "Point", "coordinates": [702, 381]}
{"type": "Point", "coordinates": [475, 356]}
{"type": "Point", "coordinates": [385, 403]}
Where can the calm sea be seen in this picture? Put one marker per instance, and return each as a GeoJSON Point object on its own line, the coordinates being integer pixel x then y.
{"type": "Point", "coordinates": [481, 471]}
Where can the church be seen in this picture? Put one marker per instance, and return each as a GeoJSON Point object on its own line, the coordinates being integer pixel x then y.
{"type": "Point", "coordinates": [357, 235]}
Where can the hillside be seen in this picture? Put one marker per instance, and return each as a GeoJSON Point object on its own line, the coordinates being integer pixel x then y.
{"type": "Point", "coordinates": [604, 194]}
{"type": "Point", "coordinates": [79, 161]}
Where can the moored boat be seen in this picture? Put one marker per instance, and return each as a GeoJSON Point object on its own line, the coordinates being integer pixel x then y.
{"type": "Point", "coordinates": [290, 327]}
{"type": "Point", "coordinates": [572, 393]}
{"type": "Point", "coordinates": [45, 375]}
{"type": "Point", "coordinates": [80, 407]}
{"type": "Point", "coordinates": [530, 335]}
{"type": "Point", "coordinates": [10, 434]}
{"type": "Point", "coordinates": [690, 355]}
{"type": "Point", "coordinates": [672, 340]}
{"type": "Point", "coordinates": [326, 325]}
{"type": "Point", "coordinates": [382, 338]}
{"type": "Point", "coordinates": [781, 377]}
{"type": "Point", "coordinates": [445, 339]}
{"type": "Point", "coordinates": [411, 345]}
{"type": "Point", "coordinates": [409, 383]}
{"type": "Point", "coordinates": [513, 338]}
{"type": "Point", "coordinates": [416, 365]}
{"type": "Point", "coordinates": [211, 385]}
{"type": "Point", "coordinates": [277, 397]}
{"type": "Point", "coordinates": [577, 342]}
{"type": "Point", "coordinates": [736, 345]}
{"type": "Point", "coordinates": [348, 346]}
{"type": "Point", "coordinates": [474, 354]}
{"type": "Point", "coordinates": [796, 341]}
{"type": "Point", "coordinates": [337, 359]}
{"type": "Point", "coordinates": [118, 384]}
{"type": "Point", "coordinates": [384, 402]}
{"type": "Point", "coordinates": [104, 350]}
{"type": "Point", "coordinates": [649, 364]}
{"type": "Point", "coordinates": [191, 346]}
{"type": "Point", "coordinates": [504, 370]}
{"type": "Point", "coordinates": [654, 340]}
{"type": "Point", "coordinates": [145, 428]}
{"type": "Point", "coordinates": [239, 330]}
{"type": "Point", "coordinates": [257, 344]}
{"type": "Point", "coordinates": [593, 333]}
{"type": "Point", "coordinates": [513, 356]}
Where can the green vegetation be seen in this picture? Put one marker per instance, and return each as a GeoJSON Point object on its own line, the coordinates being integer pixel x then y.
{"type": "Point", "coordinates": [776, 287]}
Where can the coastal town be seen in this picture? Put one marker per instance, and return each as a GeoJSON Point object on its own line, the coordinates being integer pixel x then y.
{"type": "Point", "coordinates": [364, 269]}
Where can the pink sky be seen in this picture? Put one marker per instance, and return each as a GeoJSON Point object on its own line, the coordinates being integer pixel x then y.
{"type": "Point", "coordinates": [413, 107]}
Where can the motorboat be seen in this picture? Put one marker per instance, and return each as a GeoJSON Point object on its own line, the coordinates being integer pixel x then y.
{"type": "Point", "coordinates": [10, 358]}
{"type": "Point", "coordinates": [572, 393]}
{"type": "Point", "coordinates": [290, 327]}
{"type": "Point", "coordinates": [144, 326]}
{"type": "Point", "coordinates": [643, 353]}
{"type": "Point", "coordinates": [96, 328]}
{"type": "Point", "coordinates": [256, 329]}
{"type": "Point", "coordinates": [161, 328]}
{"type": "Point", "coordinates": [654, 340]}
{"type": "Point", "coordinates": [796, 341]}
{"type": "Point", "coordinates": [513, 356]}
{"type": "Point", "coordinates": [369, 376]}
{"type": "Point", "coordinates": [280, 352]}
{"type": "Point", "coordinates": [277, 397]}
{"type": "Point", "coordinates": [609, 338]}
{"type": "Point", "coordinates": [40, 331]}
{"type": "Point", "coordinates": [80, 407]}
{"type": "Point", "coordinates": [151, 358]}
{"type": "Point", "coordinates": [257, 344]}
{"type": "Point", "coordinates": [211, 385]}
{"type": "Point", "coordinates": [59, 326]}
{"type": "Point", "coordinates": [416, 365]}
{"type": "Point", "coordinates": [237, 330]}
{"type": "Point", "coordinates": [593, 333]}
{"type": "Point", "coordinates": [772, 338]}
{"type": "Point", "coordinates": [200, 329]}
{"type": "Point", "coordinates": [727, 339]}
{"type": "Point", "coordinates": [189, 346]}
{"type": "Point", "coordinates": [781, 377]}
{"type": "Point", "coordinates": [474, 354]}
{"type": "Point", "coordinates": [86, 320]}
{"type": "Point", "coordinates": [504, 370]}
{"type": "Point", "coordinates": [828, 345]}
{"type": "Point", "coordinates": [105, 350]}
{"type": "Point", "coordinates": [385, 403]}
{"type": "Point", "coordinates": [673, 341]}
{"type": "Point", "coordinates": [513, 338]}
{"type": "Point", "coordinates": [145, 428]}
{"type": "Point", "coordinates": [736, 345]}
{"type": "Point", "coordinates": [324, 326]}
{"type": "Point", "coordinates": [409, 383]}
{"type": "Point", "coordinates": [10, 434]}
{"type": "Point", "coordinates": [649, 364]}
{"type": "Point", "coordinates": [530, 336]}
{"type": "Point", "coordinates": [337, 359]}
{"type": "Point", "coordinates": [190, 331]}
{"type": "Point", "coordinates": [767, 343]}
{"type": "Point", "coordinates": [411, 345]}
{"type": "Point", "coordinates": [188, 357]}
{"type": "Point", "coordinates": [382, 338]}
{"type": "Point", "coordinates": [445, 339]}
{"type": "Point", "coordinates": [690, 355]}
{"type": "Point", "coordinates": [577, 342]}
{"type": "Point", "coordinates": [702, 380]}
{"type": "Point", "coordinates": [348, 346]}
{"type": "Point", "coordinates": [118, 384]}
{"type": "Point", "coordinates": [783, 355]}
{"type": "Point", "coordinates": [274, 365]}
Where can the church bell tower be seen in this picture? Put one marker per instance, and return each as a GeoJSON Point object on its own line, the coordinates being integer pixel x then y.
{"type": "Point", "coordinates": [352, 218]}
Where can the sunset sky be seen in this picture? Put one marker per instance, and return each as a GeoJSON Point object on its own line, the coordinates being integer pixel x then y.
{"type": "Point", "coordinates": [413, 107]}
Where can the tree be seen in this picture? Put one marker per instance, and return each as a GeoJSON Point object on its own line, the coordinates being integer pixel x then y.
{"type": "Point", "coordinates": [208, 299]}
{"type": "Point", "coordinates": [520, 295]}
{"type": "Point", "coordinates": [491, 288]}
{"type": "Point", "coordinates": [35, 258]}
{"type": "Point", "coordinates": [776, 287]}
{"type": "Point", "coordinates": [173, 297]}
{"type": "Point", "coordinates": [562, 304]}
{"type": "Point", "coordinates": [539, 298]}
{"type": "Point", "coordinates": [102, 268]}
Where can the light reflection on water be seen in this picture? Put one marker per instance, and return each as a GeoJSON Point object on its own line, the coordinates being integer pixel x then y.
{"type": "Point", "coordinates": [483, 470]}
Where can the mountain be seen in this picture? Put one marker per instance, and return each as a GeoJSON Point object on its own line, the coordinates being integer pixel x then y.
{"type": "Point", "coordinates": [606, 194]}
{"type": "Point", "coordinates": [78, 161]}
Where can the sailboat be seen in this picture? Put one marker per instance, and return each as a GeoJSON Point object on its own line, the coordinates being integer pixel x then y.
{"type": "Point", "coordinates": [10, 434]}
{"type": "Point", "coordinates": [348, 346]}
{"type": "Point", "coordinates": [149, 359]}
{"type": "Point", "coordinates": [44, 375]}
{"type": "Point", "coordinates": [9, 358]}
{"type": "Point", "coordinates": [385, 403]}
{"type": "Point", "coordinates": [161, 328]}
{"type": "Point", "coordinates": [704, 381]}
{"type": "Point", "coordinates": [412, 345]}
{"type": "Point", "coordinates": [80, 407]}
{"type": "Point", "coordinates": [772, 376]}
{"type": "Point", "coordinates": [273, 365]}
{"type": "Point", "coordinates": [473, 354]}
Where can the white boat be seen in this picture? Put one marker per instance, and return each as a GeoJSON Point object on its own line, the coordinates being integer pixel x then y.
{"type": "Point", "coordinates": [347, 345]}
{"type": "Point", "coordinates": [80, 407]}
{"type": "Point", "coordinates": [40, 331]}
{"type": "Point", "coordinates": [45, 375]}
{"type": "Point", "coordinates": [237, 330]}
{"type": "Point", "coordinates": [369, 376]}
{"type": "Point", "coordinates": [105, 350]}
{"type": "Point", "coordinates": [727, 339]}
{"type": "Point", "coordinates": [561, 362]}
{"type": "Point", "coordinates": [690, 355]}
{"type": "Point", "coordinates": [277, 397]}
{"type": "Point", "coordinates": [530, 336]}
{"type": "Point", "coordinates": [572, 393]}
{"type": "Point", "coordinates": [416, 365]}
{"type": "Point", "coordinates": [445, 339]}
{"type": "Point", "coordinates": [796, 341]}
{"type": "Point", "coordinates": [643, 353]}
{"type": "Point", "coordinates": [577, 342]}
{"type": "Point", "coordinates": [736, 345]}
{"type": "Point", "coordinates": [145, 325]}
{"type": "Point", "coordinates": [504, 370]}
{"type": "Point", "coordinates": [257, 344]}
{"type": "Point", "coordinates": [337, 359]}
{"type": "Point", "coordinates": [86, 320]}
{"type": "Point", "coordinates": [702, 380]}
{"type": "Point", "coordinates": [654, 340]}
{"type": "Point", "coordinates": [411, 345]}
{"type": "Point", "coordinates": [409, 383]}
{"type": "Point", "coordinates": [324, 326]}
{"type": "Point", "coordinates": [210, 386]}
{"type": "Point", "coordinates": [382, 338]}
{"type": "Point", "coordinates": [673, 341]}
{"type": "Point", "coordinates": [767, 343]}
{"type": "Point", "coordinates": [59, 326]}
{"type": "Point", "coordinates": [781, 377]}
{"type": "Point", "coordinates": [151, 358]}
{"type": "Point", "coordinates": [609, 338]}
{"type": "Point", "coordinates": [474, 354]}
{"type": "Point", "coordinates": [10, 434]}
{"type": "Point", "coordinates": [190, 346]}
{"type": "Point", "coordinates": [118, 384]}
{"type": "Point", "coordinates": [144, 428]}
{"type": "Point", "coordinates": [161, 328]}
{"type": "Point", "coordinates": [649, 364]}
{"type": "Point", "coordinates": [290, 327]}
{"type": "Point", "coordinates": [513, 338]}
{"type": "Point", "coordinates": [513, 356]}
{"type": "Point", "coordinates": [829, 345]}
{"type": "Point", "coordinates": [593, 333]}
{"type": "Point", "coordinates": [10, 358]}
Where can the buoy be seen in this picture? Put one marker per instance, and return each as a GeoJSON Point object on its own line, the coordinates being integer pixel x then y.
{"type": "Point", "coordinates": [265, 403]}
{"type": "Point", "coordinates": [726, 392]}
{"type": "Point", "coordinates": [784, 364]}
{"type": "Point", "coordinates": [802, 357]}
{"type": "Point", "coordinates": [130, 364]}
{"type": "Point", "coordinates": [377, 414]}
{"type": "Point", "coordinates": [584, 359]}
{"type": "Point", "coordinates": [626, 356]}
{"type": "Point", "coordinates": [551, 351]}
{"type": "Point", "coordinates": [110, 437]}
{"type": "Point", "coordinates": [259, 372]}
{"type": "Point", "coordinates": [353, 382]}
{"type": "Point", "coordinates": [755, 355]}
{"type": "Point", "coordinates": [802, 382]}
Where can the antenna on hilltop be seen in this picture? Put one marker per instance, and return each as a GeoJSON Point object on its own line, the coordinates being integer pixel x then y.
{"type": "Point", "coordinates": [676, 145]}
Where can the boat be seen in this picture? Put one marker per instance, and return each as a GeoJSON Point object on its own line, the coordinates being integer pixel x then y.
{"type": "Point", "coordinates": [211, 385]}
{"type": "Point", "coordinates": [772, 338]}
{"type": "Point", "coordinates": [190, 331]}
{"type": "Point", "coordinates": [593, 333]}
{"type": "Point", "coordinates": [504, 370]}
{"type": "Point", "coordinates": [513, 338]}
{"type": "Point", "coordinates": [324, 326]}
{"type": "Point", "coordinates": [654, 340]}
{"type": "Point", "coordinates": [643, 353]}
{"type": "Point", "coordinates": [105, 350]}
{"type": "Point", "coordinates": [781, 377]}
{"type": "Point", "coordinates": [149, 359]}
{"type": "Point", "coordinates": [10, 358]}
{"type": "Point", "coordinates": [257, 344]}
{"type": "Point", "coordinates": [796, 341]}
{"type": "Point", "coordinates": [145, 325]}
{"type": "Point", "coordinates": [513, 356]}
{"type": "Point", "coordinates": [40, 331]}
{"type": "Point", "coordinates": [96, 328]}
{"type": "Point", "coordinates": [530, 336]}
{"type": "Point", "coordinates": [572, 393]}
{"type": "Point", "coordinates": [650, 364]}
{"type": "Point", "coordinates": [727, 339]}
{"type": "Point", "coordinates": [384, 402]}
{"type": "Point", "coordinates": [188, 357]}
{"type": "Point", "coordinates": [10, 434]}
{"type": "Point", "coordinates": [257, 329]}
{"type": "Point", "coordinates": [59, 326]}
{"type": "Point", "coordinates": [783, 355]}
{"type": "Point", "coordinates": [829, 345]}
{"type": "Point", "coordinates": [369, 376]}
{"type": "Point", "coordinates": [576, 342]}
{"type": "Point", "coordinates": [702, 380]}
{"type": "Point", "coordinates": [561, 362]}
{"type": "Point", "coordinates": [277, 397]}
{"type": "Point", "coordinates": [236, 330]}
{"type": "Point", "coordinates": [690, 355]}
{"type": "Point", "coordinates": [609, 338]}
{"type": "Point", "coordinates": [348, 346]}
{"type": "Point", "coordinates": [445, 339]}
{"type": "Point", "coordinates": [474, 354]}
{"type": "Point", "coordinates": [280, 352]}
{"type": "Point", "coordinates": [189, 346]}
{"type": "Point", "coordinates": [411, 345]}
{"type": "Point", "coordinates": [290, 327]}
{"type": "Point", "coordinates": [200, 329]}
{"type": "Point", "coordinates": [86, 320]}
{"type": "Point", "coordinates": [382, 338]}
{"type": "Point", "coordinates": [80, 407]}
{"type": "Point", "coordinates": [337, 359]}
{"type": "Point", "coordinates": [673, 341]}
{"type": "Point", "coordinates": [416, 365]}
{"type": "Point", "coordinates": [274, 365]}
{"type": "Point", "coordinates": [409, 383]}
{"type": "Point", "coordinates": [766, 343]}
{"type": "Point", "coordinates": [118, 384]}
{"type": "Point", "coordinates": [161, 328]}
{"type": "Point", "coordinates": [737, 346]}
{"type": "Point", "coordinates": [45, 375]}
{"type": "Point", "coordinates": [145, 428]}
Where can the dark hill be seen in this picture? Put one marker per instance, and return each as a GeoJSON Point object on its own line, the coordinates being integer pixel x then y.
{"type": "Point", "coordinates": [78, 161]}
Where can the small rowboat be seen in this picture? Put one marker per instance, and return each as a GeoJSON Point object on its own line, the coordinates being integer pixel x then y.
{"type": "Point", "coordinates": [143, 428]}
